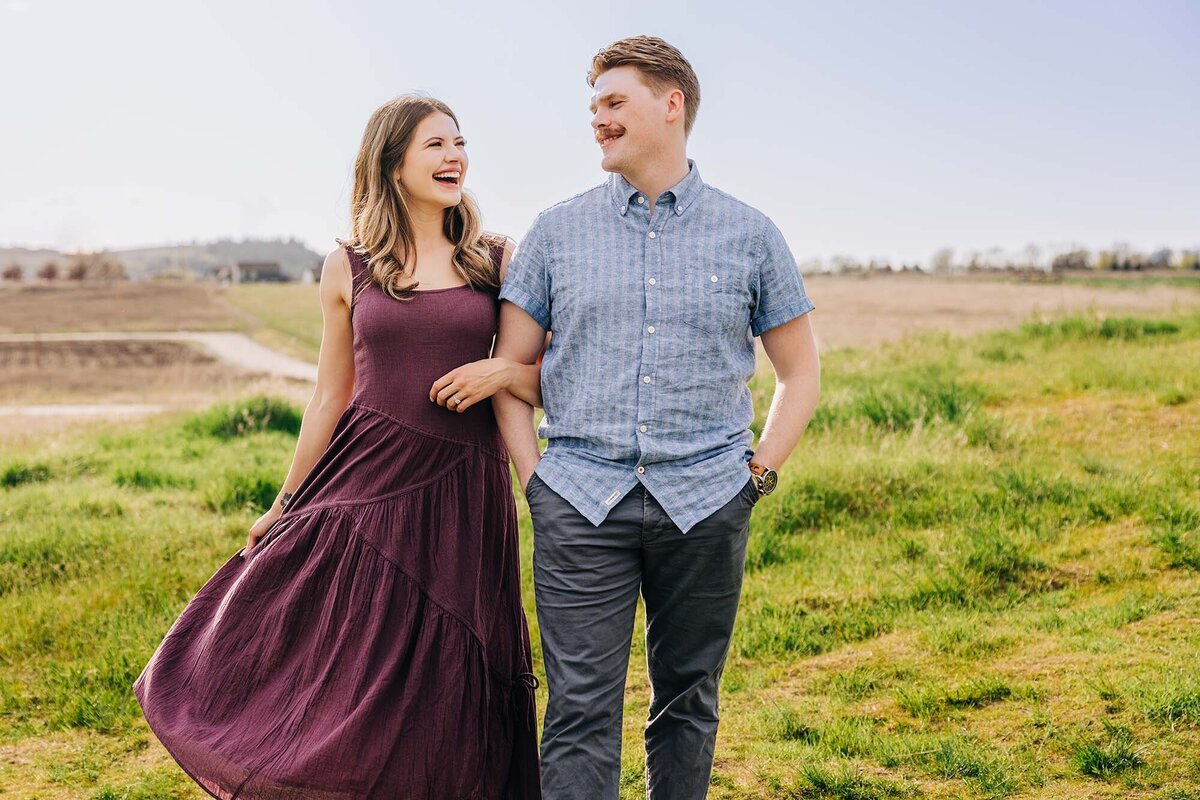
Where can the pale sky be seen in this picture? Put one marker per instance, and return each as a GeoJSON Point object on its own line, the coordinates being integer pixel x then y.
{"type": "Point", "coordinates": [869, 129]}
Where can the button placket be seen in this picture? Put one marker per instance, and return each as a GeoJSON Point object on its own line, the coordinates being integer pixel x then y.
{"type": "Point", "coordinates": [652, 269]}
{"type": "Point", "coordinates": [651, 262]}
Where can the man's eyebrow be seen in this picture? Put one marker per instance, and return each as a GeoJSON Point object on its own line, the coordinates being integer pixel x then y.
{"type": "Point", "coordinates": [610, 96]}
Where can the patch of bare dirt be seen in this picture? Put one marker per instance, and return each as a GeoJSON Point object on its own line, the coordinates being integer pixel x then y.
{"type": "Point", "coordinates": [175, 306]}
{"type": "Point", "coordinates": [856, 311]}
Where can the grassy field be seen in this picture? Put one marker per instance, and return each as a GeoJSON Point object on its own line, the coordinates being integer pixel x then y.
{"type": "Point", "coordinates": [980, 578]}
{"type": "Point", "coordinates": [289, 315]}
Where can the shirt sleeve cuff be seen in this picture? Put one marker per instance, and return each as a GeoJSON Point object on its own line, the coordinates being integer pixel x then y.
{"type": "Point", "coordinates": [527, 303]}
{"type": "Point", "coordinates": [766, 322]}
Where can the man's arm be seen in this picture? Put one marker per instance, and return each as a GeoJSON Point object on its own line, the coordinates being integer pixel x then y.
{"type": "Point", "coordinates": [520, 340]}
{"type": "Point", "coordinates": [792, 350]}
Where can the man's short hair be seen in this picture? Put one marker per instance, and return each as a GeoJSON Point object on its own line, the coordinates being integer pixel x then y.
{"type": "Point", "coordinates": [661, 66]}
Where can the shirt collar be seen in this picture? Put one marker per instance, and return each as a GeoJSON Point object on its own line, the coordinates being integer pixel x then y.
{"type": "Point", "coordinates": [684, 193]}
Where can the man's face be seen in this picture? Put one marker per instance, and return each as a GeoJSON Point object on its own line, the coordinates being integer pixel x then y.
{"type": "Point", "coordinates": [628, 119]}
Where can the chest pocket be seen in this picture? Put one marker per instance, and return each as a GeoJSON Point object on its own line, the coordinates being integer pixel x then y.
{"type": "Point", "coordinates": [715, 297]}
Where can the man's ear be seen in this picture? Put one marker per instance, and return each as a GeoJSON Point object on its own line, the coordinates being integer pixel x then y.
{"type": "Point", "coordinates": [675, 105]}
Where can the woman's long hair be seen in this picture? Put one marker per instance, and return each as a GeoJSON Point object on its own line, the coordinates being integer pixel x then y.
{"type": "Point", "coordinates": [381, 229]}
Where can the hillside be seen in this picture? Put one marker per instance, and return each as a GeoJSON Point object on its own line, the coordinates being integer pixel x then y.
{"type": "Point", "coordinates": [199, 259]}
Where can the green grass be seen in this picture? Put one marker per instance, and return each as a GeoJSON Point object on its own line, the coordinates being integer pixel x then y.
{"type": "Point", "coordinates": [286, 317]}
{"type": "Point", "coordinates": [1108, 756]}
{"type": "Point", "coordinates": [979, 579]}
{"type": "Point", "coordinates": [1138, 282]}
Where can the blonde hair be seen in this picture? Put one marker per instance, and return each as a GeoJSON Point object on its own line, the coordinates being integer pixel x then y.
{"type": "Point", "coordinates": [662, 68]}
{"type": "Point", "coordinates": [381, 228]}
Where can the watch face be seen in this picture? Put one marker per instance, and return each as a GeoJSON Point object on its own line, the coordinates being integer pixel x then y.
{"type": "Point", "coordinates": [769, 479]}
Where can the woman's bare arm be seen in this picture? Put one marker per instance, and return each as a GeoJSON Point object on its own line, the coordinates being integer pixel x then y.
{"type": "Point", "coordinates": [335, 385]}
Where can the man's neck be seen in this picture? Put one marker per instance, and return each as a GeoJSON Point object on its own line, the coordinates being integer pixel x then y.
{"type": "Point", "coordinates": [657, 177]}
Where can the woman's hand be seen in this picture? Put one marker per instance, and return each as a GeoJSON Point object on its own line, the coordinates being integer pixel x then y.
{"type": "Point", "coordinates": [260, 527]}
{"type": "Point", "coordinates": [461, 388]}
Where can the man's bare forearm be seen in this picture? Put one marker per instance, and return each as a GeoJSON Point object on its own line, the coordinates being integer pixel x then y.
{"type": "Point", "coordinates": [792, 408]}
{"type": "Point", "coordinates": [515, 418]}
{"type": "Point", "coordinates": [792, 349]}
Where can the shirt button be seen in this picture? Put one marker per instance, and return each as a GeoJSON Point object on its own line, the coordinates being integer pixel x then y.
{"type": "Point", "coordinates": [650, 329]}
{"type": "Point", "coordinates": [713, 278]}
{"type": "Point", "coordinates": [653, 234]}
{"type": "Point", "coordinates": [652, 281]}
{"type": "Point", "coordinates": [645, 379]}
{"type": "Point", "coordinates": [641, 470]}
{"type": "Point", "coordinates": [643, 429]}
{"type": "Point", "coordinates": [641, 199]}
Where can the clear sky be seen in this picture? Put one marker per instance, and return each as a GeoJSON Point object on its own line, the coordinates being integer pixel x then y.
{"type": "Point", "coordinates": [870, 129]}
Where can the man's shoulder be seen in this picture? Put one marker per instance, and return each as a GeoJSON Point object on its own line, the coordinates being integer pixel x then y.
{"type": "Point", "coordinates": [586, 202]}
{"type": "Point", "coordinates": [729, 206]}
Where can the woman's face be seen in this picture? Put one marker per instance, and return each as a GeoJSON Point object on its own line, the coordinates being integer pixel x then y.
{"type": "Point", "coordinates": [435, 164]}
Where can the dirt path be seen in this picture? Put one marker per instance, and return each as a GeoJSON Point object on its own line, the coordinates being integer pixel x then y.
{"type": "Point", "coordinates": [236, 349]}
{"type": "Point", "coordinates": [86, 410]}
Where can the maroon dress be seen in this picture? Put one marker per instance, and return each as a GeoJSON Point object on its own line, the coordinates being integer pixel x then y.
{"type": "Point", "coordinates": [373, 644]}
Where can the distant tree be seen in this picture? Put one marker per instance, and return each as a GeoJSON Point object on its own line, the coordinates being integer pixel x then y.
{"type": "Point", "coordinates": [48, 271]}
{"type": "Point", "coordinates": [95, 267]}
{"type": "Point", "coordinates": [111, 270]}
{"type": "Point", "coordinates": [1032, 256]}
{"type": "Point", "coordinates": [844, 264]}
{"type": "Point", "coordinates": [942, 260]}
{"type": "Point", "coordinates": [14, 273]}
{"type": "Point", "coordinates": [1160, 259]}
{"type": "Point", "coordinates": [1073, 259]}
{"type": "Point", "coordinates": [1189, 259]}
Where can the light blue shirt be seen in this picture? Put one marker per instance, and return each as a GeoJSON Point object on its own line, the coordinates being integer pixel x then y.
{"type": "Point", "coordinates": [654, 318]}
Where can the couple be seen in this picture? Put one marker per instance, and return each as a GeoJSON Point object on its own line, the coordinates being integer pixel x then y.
{"type": "Point", "coordinates": [369, 641]}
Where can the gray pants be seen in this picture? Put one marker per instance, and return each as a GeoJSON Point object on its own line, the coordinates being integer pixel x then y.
{"type": "Point", "coordinates": [586, 581]}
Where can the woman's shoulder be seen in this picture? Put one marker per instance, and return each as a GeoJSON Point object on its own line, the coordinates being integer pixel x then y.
{"type": "Point", "coordinates": [339, 259]}
{"type": "Point", "coordinates": [493, 239]}
{"type": "Point", "coordinates": [501, 248]}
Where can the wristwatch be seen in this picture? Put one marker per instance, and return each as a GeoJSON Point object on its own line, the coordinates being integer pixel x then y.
{"type": "Point", "coordinates": [765, 477]}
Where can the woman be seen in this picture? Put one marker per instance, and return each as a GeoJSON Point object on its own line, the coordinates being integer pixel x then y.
{"type": "Point", "coordinates": [369, 640]}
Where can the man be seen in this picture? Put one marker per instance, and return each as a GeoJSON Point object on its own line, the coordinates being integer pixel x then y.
{"type": "Point", "coordinates": [653, 286]}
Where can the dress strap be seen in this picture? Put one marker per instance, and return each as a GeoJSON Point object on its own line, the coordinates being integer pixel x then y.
{"type": "Point", "coordinates": [495, 245]}
{"type": "Point", "coordinates": [360, 274]}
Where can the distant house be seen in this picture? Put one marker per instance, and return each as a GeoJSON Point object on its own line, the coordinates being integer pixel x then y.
{"type": "Point", "coordinates": [312, 274]}
{"type": "Point", "coordinates": [252, 272]}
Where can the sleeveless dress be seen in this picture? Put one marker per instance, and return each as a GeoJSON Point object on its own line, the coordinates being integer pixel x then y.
{"type": "Point", "coordinates": [373, 644]}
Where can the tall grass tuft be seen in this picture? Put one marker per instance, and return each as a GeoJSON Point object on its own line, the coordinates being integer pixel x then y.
{"type": "Point", "coordinates": [816, 781]}
{"type": "Point", "coordinates": [243, 417]}
{"type": "Point", "coordinates": [20, 472]}
{"type": "Point", "coordinates": [1109, 756]}
{"type": "Point", "coordinates": [240, 491]}
{"type": "Point", "coordinates": [1120, 328]}
{"type": "Point", "coordinates": [1177, 534]}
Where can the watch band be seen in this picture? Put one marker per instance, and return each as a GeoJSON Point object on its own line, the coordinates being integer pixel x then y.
{"type": "Point", "coordinates": [765, 478]}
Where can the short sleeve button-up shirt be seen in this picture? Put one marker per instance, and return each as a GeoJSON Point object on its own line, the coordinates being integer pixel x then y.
{"type": "Point", "coordinates": [654, 316]}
